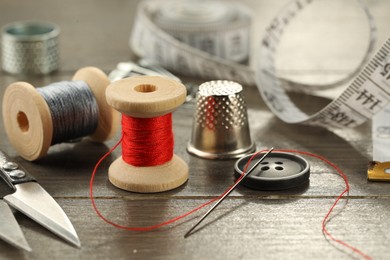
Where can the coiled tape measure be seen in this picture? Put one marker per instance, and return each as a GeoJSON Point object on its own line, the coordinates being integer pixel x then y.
{"type": "Point", "coordinates": [165, 31]}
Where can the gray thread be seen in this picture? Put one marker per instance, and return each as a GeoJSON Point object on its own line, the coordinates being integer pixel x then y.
{"type": "Point", "coordinates": [74, 110]}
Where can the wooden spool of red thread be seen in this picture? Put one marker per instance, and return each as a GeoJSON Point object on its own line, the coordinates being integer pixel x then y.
{"type": "Point", "coordinates": [145, 97]}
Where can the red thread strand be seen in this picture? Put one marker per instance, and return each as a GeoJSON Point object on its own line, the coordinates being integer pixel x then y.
{"type": "Point", "coordinates": [345, 191]}
{"type": "Point", "coordinates": [147, 141]}
{"type": "Point", "coordinates": [173, 220]}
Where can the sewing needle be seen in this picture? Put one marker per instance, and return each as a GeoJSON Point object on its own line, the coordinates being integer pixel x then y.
{"type": "Point", "coordinates": [228, 192]}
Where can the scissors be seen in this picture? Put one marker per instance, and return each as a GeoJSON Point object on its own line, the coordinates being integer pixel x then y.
{"type": "Point", "coordinates": [22, 192]}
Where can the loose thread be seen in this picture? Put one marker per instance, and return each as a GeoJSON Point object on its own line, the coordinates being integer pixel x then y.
{"type": "Point", "coordinates": [346, 190]}
{"type": "Point", "coordinates": [173, 220]}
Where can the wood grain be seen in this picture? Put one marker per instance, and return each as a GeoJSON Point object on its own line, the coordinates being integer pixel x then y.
{"type": "Point", "coordinates": [146, 96]}
{"type": "Point", "coordinates": [241, 228]}
{"type": "Point", "coordinates": [27, 120]}
{"type": "Point", "coordinates": [249, 224]}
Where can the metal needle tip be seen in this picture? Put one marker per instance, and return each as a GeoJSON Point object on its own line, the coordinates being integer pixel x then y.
{"type": "Point", "coordinates": [228, 192]}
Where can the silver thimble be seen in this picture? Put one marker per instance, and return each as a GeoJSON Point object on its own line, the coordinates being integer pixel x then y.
{"type": "Point", "coordinates": [220, 128]}
{"type": "Point", "coordinates": [30, 47]}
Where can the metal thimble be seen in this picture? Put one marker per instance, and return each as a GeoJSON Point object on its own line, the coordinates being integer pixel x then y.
{"type": "Point", "coordinates": [220, 128]}
{"type": "Point", "coordinates": [30, 47]}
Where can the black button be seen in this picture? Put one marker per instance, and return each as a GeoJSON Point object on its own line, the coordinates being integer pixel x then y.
{"type": "Point", "coordinates": [278, 171]}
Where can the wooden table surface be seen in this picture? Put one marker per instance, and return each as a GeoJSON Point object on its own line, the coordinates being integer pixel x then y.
{"type": "Point", "coordinates": [248, 224]}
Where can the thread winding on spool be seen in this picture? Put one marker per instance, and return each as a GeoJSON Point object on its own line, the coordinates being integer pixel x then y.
{"type": "Point", "coordinates": [148, 163]}
{"type": "Point", "coordinates": [35, 119]}
{"type": "Point", "coordinates": [136, 132]}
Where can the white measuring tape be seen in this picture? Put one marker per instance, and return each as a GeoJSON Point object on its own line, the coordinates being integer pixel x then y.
{"type": "Point", "coordinates": [225, 34]}
{"type": "Point", "coordinates": [217, 28]}
{"type": "Point", "coordinates": [159, 23]}
{"type": "Point", "coordinates": [381, 135]}
{"type": "Point", "coordinates": [368, 93]}
{"type": "Point", "coordinates": [207, 39]}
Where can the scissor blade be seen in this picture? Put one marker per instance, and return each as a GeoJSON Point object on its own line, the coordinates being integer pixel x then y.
{"type": "Point", "coordinates": [9, 228]}
{"type": "Point", "coordinates": [31, 199]}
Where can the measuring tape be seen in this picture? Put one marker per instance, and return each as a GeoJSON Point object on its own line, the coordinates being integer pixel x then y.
{"type": "Point", "coordinates": [381, 135]}
{"type": "Point", "coordinates": [208, 39]}
{"type": "Point", "coordinates": [218, 28]}
{"type": "Point", "coordinates": [225, 34]}
{"type": "Point", "coordinates": [368, 93]}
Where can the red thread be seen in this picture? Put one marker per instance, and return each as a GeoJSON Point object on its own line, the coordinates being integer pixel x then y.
{"type": "Point", "coordinates": [345, 191]}
{"type": "Point", "coordinates": [147, 141]}
{"type": "Point", "coordinates": [173, 220]}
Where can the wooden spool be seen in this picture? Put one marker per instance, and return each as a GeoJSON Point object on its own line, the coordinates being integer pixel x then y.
{"type": "Point", "coordinates": [147, 97]}
{"type": "Point", "coordinates": [27, 117]}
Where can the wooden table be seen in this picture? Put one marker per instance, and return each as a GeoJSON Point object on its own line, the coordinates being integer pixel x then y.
{"type": "Point", "coordinates": [248, 224]}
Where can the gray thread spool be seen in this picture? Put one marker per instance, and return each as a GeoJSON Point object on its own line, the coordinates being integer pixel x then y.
{"type": "Point", "coordinates": [73, 108]}
{"type": "Point", "coordinates": [33, 120]}
{"type": "Point", "coordinates": [30, 47]}
{"type": "Point", "coordinates": [220, 127]}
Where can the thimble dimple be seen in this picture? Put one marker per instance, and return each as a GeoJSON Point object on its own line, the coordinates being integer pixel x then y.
{"type": "Point", "coordinates": [30, 47]}
{"type": "Point", "coordinates": [220, 128]}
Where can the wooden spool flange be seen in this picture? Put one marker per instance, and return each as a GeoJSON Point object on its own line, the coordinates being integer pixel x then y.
{"type": "Point", "coordinates": [147, 97]}
{"type": "Point", "coordinates": [27, 117]}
